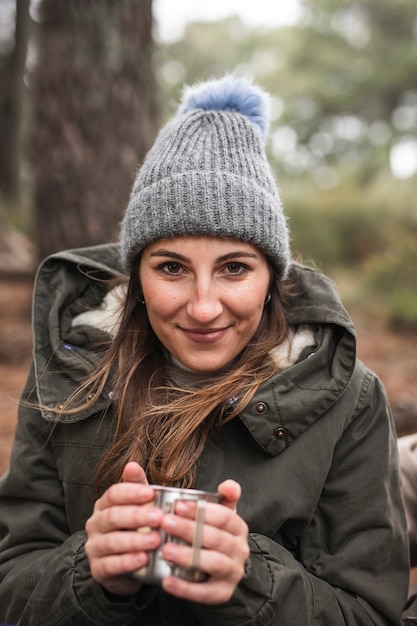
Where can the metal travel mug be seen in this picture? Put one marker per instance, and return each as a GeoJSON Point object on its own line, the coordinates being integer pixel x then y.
{"type": "Point", "coordinates": [157, 567]}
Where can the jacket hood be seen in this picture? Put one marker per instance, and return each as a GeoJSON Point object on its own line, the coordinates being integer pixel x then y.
{"type": "Point", "coordinates": [67, 284]}
{"type": "Point", "coordinates": [71, 283]}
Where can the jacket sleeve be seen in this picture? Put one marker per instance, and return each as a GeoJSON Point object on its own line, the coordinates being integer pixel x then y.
{"type": "Point", "coordinates": [352, 566]}
{"type": "Point", "coordinates": [44, 572]}
{"type": "Point", "coordinates": [407, 448]}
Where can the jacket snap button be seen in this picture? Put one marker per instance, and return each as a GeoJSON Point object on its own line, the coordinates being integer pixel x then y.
{"type": "Point", "coordinates": [261, 408]}
{"type": "Point", "coordinates": [280, 433]}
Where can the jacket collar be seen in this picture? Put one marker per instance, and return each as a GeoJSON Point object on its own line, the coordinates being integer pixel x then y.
{"type": "Point", "coordinates": [296, 397]}
{"type": "Point", "coordinates": [70, 282]}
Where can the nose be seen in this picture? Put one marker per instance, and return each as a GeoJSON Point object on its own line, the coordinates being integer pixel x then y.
{"type": "Point", "coordinates": [204, 304]}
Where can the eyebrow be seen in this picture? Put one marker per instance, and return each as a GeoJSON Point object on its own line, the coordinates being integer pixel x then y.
{"type": "Point", "coordinates": [225, 257]}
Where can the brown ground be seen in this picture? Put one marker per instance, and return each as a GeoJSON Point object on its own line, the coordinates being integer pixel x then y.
{"type": "Point", "coordinates": [15, 355]}
{"type": "Point", "coordinates": [392, 355]}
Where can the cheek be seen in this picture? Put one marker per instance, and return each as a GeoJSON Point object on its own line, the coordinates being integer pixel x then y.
{"type": "Point", "coordinates": [162, 302]}
{"type": "Point", "coordinates": [249, 306]}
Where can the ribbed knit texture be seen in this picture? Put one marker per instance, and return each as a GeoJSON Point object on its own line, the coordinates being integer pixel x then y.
{"type": "Point", "coordinates": [207, 174]}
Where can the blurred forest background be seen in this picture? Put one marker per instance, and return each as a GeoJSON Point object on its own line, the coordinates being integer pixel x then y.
{"type": "Point", "coordinates": [85, 85]}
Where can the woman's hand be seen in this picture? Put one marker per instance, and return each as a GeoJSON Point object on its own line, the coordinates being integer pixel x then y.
{"type": "Point", "coordinates": [224, 550]}
{"type": "Point", "coordinates": [114, 546]}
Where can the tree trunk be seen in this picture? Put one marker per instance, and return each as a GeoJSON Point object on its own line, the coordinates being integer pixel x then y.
{"type": "Point", "coordinates": [11, 99]}
{"type": "Point", "coordinates": [94, 117]}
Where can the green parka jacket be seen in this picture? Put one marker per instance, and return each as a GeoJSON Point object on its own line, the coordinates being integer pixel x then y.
{"type": "Point", "coordinates": [315, 453]}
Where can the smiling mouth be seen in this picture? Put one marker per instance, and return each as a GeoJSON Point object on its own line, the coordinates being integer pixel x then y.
{"type": "Point", "coordinates": [208, 335]}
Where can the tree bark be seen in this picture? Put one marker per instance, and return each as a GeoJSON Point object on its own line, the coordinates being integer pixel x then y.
{"type": "Point", "coordinates": [95, 117]}
{"type": "Point", "coordinates": [11, 101]}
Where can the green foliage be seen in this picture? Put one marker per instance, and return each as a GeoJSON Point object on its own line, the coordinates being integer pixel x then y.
{"type": "Point", "coordinates": [15, 215]}
{"type": "Point", "coordinates": [341, 227]}
{"type": "Point", "coordinates": [395, 268]}
{"type": "Point", "coordinates": [210, 50]}
{"type": "Point", "coordinates": [350, 224]}
{"type": "Point", "coordinates": [402, 311]}
{"type": "Point", "coordinates": [392, 275]}
{"type": "Point", "coordinates": [358, 36]}
{"type": "Point", "coordinates": [343, 79]}
{"type": "Point", "coordinates": [369, 232]}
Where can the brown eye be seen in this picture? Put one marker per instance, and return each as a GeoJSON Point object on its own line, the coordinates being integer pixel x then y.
{"type": "Point", "coordinates": [235, 268]}
{"type": "Point", "coordinates": [172, 268]}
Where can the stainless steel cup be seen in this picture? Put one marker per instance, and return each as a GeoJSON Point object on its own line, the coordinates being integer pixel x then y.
{"type": "Point", "coordinates": [157, 568]}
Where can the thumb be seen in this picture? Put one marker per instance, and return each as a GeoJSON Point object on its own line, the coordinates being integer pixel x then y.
{"type": "Point", "coordinates": [134, 473]}
{"type": "Point", "coordinates": [230, 491]}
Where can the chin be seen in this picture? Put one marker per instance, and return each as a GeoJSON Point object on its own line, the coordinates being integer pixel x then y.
{"type": "Point", "coordinates": [204, 366]}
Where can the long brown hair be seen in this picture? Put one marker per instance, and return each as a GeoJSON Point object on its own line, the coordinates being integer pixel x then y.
{"type": "Point", "coordinates": [159, 424]}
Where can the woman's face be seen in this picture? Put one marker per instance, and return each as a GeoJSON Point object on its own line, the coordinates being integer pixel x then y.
{"type": "Point", "coordinates": [204, 297]}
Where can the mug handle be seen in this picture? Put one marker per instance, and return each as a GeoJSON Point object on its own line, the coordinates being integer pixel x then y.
{"type": "Point", "coordinates": [198, 534]}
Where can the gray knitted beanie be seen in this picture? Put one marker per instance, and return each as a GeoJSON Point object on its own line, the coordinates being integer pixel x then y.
{"type": "Point", "coordinates": [207, 174]}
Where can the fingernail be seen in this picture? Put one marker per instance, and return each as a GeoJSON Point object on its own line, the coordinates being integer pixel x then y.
{"type": "Point", "coordinates": [170, 551]}
{"type": "Point", "coordinates": [139, 559]}
{"type": "Point", "coordinates": [151, 541]}
{"type": "Point", "coordinates": [169, 583]}
{"type": "Point", "coordinates": [153, 517]}
{"type": "Point", "coordinates": [170, 523]}
{"type": "Point", "coordinates": [181, 507]}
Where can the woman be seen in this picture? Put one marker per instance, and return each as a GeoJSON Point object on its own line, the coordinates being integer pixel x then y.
{"type": "Point", "coordinates": [219, 365]}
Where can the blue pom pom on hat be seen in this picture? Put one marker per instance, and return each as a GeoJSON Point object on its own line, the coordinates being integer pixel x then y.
{"type": "Point", "coordinates": [207, 174]}
{"type": "Point", "coordinates": [230, 94]}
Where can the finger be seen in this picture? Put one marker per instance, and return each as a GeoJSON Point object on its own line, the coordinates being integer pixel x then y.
{"type": "Point", "coordinates": [134, 473]}
{"type": "Point", "coordinates": [215, 515]}
{"type": "Point", "coordinates": [212, 562]}
{"type": "Point", "coordinates": [121, 542]}
{"type": "Point", "coordinates": [124, 493]}
{"type": "Point", "coordinates": [210, 592]}
{"type": "Point", "coordinates": [230, 491]}
{"type": "Point", "coordinates": [112, 567]}
{"type": "Point", "coordinates": [123, 517]}
{"type": "Point", "coordinates": [216, 543]}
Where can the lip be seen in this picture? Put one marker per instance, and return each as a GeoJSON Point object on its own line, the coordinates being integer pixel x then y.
{"type": "Point", "coordinates": [207, 335]}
